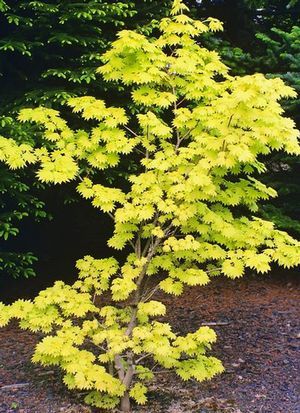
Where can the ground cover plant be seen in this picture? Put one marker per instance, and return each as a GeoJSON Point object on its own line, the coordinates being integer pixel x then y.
{"type": "Point", "coordinates": [185, 215]}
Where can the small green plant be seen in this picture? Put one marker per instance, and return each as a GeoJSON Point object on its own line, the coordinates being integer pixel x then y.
{"type": "Point", "coordinates": [14, 405]}
{"type": "Point", "coordinates": [196, 139]}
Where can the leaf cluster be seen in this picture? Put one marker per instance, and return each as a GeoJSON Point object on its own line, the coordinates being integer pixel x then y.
{"type": "Point", "coordinates": [198, 136]}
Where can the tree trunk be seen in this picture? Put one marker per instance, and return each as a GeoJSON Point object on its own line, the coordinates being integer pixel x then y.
{"type": "Point", "coordinates": [125, 403]}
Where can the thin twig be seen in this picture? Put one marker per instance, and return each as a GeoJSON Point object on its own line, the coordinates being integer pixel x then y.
{"type": "Point", "coordinates": [189, 131]}
{"type": "Point", "coordinates": [132, 245]}
{"type": "Point", "coordinates": [141, 152]}
{"type": "Point", "coordinates": [12, 386]}
{"type": "Point", "coordinates": [142, 358]}
{"type": "Point", "coordinates": [229, 122]}
{"type": "Point", "coordinates": [180, 102]}
{"type": "Point", "coordinates": [138, 245]}
{"type": "Point", "coordinates": [176, 129]}
{"type": "Point", "coordinates": [150, 293]}
{"type": "Point", "coordinates": [162, 372]}
{"type": "Point", "coordinates": [130, 130]}
{"type": "Point", "coordinates": [146, 247]}
{"type": "Point", "coordinates": [216, 323]}
{"type": "Point", "coordinates": [110, 215]}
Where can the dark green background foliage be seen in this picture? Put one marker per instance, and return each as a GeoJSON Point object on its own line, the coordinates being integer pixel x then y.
{"type": "Point", "coordinates": [49, 51]}
{"type": "Point", "coordinates": [278, 54]}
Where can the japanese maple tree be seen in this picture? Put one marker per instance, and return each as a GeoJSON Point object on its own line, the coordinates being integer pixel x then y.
{"type": "Point", "coordinates": [197, 136]}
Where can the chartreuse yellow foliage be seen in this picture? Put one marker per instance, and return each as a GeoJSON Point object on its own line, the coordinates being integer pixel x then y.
{"type": "Point", "coordinates": [198, 135]}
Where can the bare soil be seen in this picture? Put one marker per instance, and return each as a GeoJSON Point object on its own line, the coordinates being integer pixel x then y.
{"type": "Point", "coordinates": [258, 341]}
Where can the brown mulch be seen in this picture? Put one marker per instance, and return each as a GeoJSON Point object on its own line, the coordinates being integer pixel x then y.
{"type": "Point", "coordinates": [258, 341]}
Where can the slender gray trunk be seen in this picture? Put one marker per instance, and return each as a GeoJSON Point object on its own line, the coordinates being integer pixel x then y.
{"type": "Point", "coordinates": [125, 403]}
{"type": "Point", "coordinates": [126, 377]}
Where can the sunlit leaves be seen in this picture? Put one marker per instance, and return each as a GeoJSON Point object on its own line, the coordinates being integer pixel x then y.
{"type": "Point", "coordinates": [14, 155]}
{"type": "Point", "coordinates": [196, 137]}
